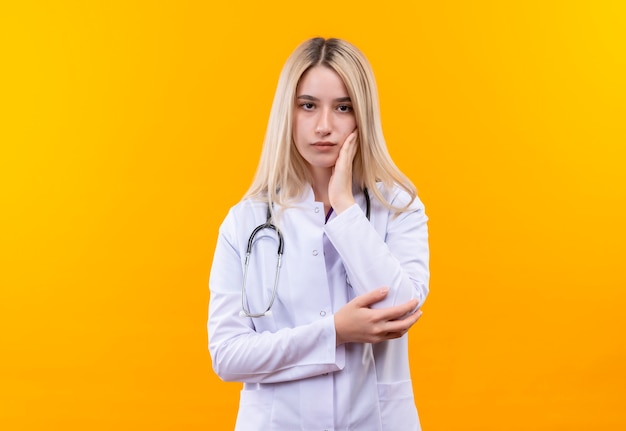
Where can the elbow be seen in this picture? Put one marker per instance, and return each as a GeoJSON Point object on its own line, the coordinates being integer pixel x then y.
{"type": "Point", "coordinates": [418, 285]}
{"type": "Point", "coordinates": [225, 376]}
{"type": "Point", "coordinates": [221, 361]}
{"type": "Point", "coordinates": [223, 368]}
{"type": "Point", "coordinates": [229, 363]}
{"type": "Point", "coordinates": [218, 368]}
{"type": "Point", "coordinates": [421, 292]}
{"type": "Point", "coordinates": [413, 287]}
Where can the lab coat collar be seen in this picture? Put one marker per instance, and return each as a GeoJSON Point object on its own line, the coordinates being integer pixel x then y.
{"type": "Point", "coordinates": [309, 196]}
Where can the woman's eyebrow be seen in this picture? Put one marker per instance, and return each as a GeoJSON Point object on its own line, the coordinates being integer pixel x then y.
{"type": "Point", "coordinates": [315, 99]}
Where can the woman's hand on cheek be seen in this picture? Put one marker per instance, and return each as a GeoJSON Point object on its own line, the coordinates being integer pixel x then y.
{"type": "Point", "coordinates": [340, 186]}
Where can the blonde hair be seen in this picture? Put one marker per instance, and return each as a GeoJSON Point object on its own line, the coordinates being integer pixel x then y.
{"type": "Point", "coordinates": [282, 174]}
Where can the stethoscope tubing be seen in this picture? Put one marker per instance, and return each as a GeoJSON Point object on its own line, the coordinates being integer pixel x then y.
{"type": "Point", "coordinates": [245, 312]}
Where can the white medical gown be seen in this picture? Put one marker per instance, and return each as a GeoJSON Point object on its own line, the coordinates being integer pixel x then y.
{"type": "Point", "coordinates": [294, 375]}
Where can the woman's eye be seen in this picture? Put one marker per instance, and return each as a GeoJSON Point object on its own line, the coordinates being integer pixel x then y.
{"type": "Point", "coordinates": [307, 106]}
{"type": "Point", "coordinates": [344, 108]}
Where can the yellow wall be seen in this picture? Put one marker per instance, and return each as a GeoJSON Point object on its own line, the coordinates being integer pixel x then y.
{"type": "Point", "coordinates": [129, 128]}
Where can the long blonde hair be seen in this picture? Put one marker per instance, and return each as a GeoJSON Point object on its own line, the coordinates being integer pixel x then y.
{"type": "Point", "coordinates": [282, 174]}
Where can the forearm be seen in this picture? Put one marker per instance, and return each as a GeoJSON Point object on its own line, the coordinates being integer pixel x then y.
{"type": "Point", "coordinates": [241, 354]}
{"type": "Point", "coordinates": [398, 260]}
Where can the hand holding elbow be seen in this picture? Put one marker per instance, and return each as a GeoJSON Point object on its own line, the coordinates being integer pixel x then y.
{"type": "Point", "coordinates": [356, 322]}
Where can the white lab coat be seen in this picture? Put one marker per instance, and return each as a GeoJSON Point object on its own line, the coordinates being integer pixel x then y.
{"type": "Point", "coordinates": [294, 375]}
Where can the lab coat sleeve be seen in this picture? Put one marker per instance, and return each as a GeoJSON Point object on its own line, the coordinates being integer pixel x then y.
{"type": "Point", "coordinates": [396, 258]}
{"type": "Point", "coordinates": [240, 352]}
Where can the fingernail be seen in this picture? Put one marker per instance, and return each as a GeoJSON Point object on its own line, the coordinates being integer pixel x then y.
{"type": "Point", "coordinates": [384, 290]}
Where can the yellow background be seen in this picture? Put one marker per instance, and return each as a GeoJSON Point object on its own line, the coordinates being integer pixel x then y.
{"type": "Point", "coordinates": [129, 128]}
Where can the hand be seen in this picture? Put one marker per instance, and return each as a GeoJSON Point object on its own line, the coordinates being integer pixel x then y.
{"type": "Point", "coordinates": [355, 322]}
{"type": "Point", "coordinates": [340, 185]}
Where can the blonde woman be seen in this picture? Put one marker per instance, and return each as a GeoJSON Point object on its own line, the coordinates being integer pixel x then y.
{"type": "Point", "coordinates": [322, 268]}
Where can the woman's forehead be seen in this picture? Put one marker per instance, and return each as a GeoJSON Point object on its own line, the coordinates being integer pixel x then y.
{"type": "Point", "coordinates": [323, 81]}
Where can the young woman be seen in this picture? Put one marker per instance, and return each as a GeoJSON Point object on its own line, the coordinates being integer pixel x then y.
{"type": "Point", "coordinates": [322, 268]}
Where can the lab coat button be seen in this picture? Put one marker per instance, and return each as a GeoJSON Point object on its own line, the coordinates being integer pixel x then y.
{"type": "Point", "coordinates": [322, 313]}
{"type": "Point", "coordinates": [314, 252]}
{"type": "Point", "coordinates": [317, 209]}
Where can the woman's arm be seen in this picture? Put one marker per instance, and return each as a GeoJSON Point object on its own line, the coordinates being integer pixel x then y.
{"type": "Point", "coordinates": [391, 251]}
{"type": "Point", "coordinates": [239, 352]}
{"type": "Point", "coordinates": [393, 255]}
{"type": "Point", "coordinates": [242, 352]}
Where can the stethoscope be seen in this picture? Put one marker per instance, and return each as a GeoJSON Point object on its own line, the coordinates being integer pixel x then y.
{"type": "Point", "coordinates": [245, 312]}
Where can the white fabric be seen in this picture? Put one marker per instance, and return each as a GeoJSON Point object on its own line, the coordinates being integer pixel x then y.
{"type": "Point", "coordinates": [295, 377]}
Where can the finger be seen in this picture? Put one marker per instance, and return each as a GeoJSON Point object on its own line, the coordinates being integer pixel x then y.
{"type": "Point", "coordinates": [349, 146]}
{"type": "Point", "coordinates": [353, 144]}
{"type": "Point", "coordinates": [372, 297]}
{"type": "Point", "coordinates": [352, 136]}
{"type": "Point", "coordinates": [403, 325]}
{"type": "Point", "coordinates": [393, 335]}
{"type": "Point", "coordinates": [398, 311]}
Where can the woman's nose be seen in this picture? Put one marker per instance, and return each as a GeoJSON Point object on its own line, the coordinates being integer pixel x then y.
{"type": "Point", "coordinates": [323, 126]}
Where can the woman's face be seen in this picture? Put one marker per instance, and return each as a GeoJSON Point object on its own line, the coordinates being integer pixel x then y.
{"type": "Point", "coordinates": [323, 117]}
